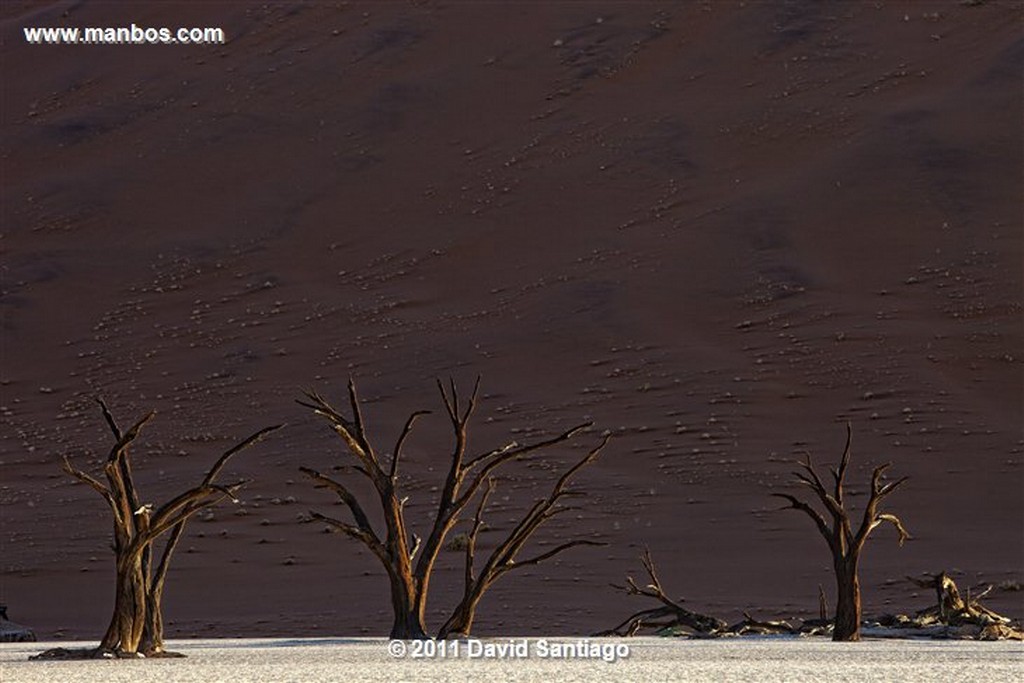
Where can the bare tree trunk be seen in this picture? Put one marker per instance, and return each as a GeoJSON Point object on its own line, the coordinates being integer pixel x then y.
{"type": "Point", "coordinates": [460, 623]}
{"type": "Point", "coordinates": [408, 626]}
{"type": "Point", "coordinates": [113, 634]}
{"type": "Point", "coordinates": [138, 621]}
{"type": "Point", "coordinates": [407, 608]}
{"type": "Point", "coordinates": [125, 630]}
{"type": "Point", "coordinates": [153, 634]}
{"type": "Point", "coordinates": [153, 628]}
{"type": "Point", "coordinates": [848, 607]}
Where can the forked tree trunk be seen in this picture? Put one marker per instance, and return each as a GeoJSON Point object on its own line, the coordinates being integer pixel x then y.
{"type": "Point", "coordinates": [113, 634]}
{"type": "Point", "coordinates": [136, 625]}
{"type": "Point", "coordinates": [153, 634]}
{"type": "Point", "coordinates": [410, 567]}
{"type": "Point", "coordinates": [153, 628]}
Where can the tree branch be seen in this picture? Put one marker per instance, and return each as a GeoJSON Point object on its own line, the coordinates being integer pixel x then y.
{"type": "Point", "coordinates": [473, 533]}
{"type": "Point", "coordinates": [895, 521]}
{"type": "Point", "coordinates": [878, 492]}
{"type": "Point", "coordinates": [451, 402]}
{"type": "Point", "coordinates": [251, 440]}
{"type": "Point", "coordinates": [502, 559]}
{"type": "Point", "coordinates": [357, 417]}
{"type": "Point", "coordinates": [111, 422]}
{"type": "Point", "coordinates": [815, 484]}
{"type": "Point", "coordinates": [840, 474]}
{"type": "Point", "coordinates": [369, 540]}
{"type": "Point", "coordinates": [397, 453]}
{"type": "Point", "coordinates": [91, 481]}
{"type": "Point", "coordinates": [797, 504]}
{"type": "Point", "coordinates": [351, 432]}
{"type": "Point", "coordinates": [448, 508]}
{"type": "Point", "coordinates": [494, 459]}
{"type": "Point", "coordinates": [128, 437]}
{"type": "Point", "coordinates": [513, 449]}
{"type": "Point", "coordinates": [120, 485]}
{"type": "Point", "coordinates": [167, 515]}
{"type": "Point", "coordinates": [555, 551]}
{"type": "Point", "coordinates": [358, 514]}
{"type": "Point", "coordinates": [183, 506]}
{"type": "Point", "coordinates": [677, 614]}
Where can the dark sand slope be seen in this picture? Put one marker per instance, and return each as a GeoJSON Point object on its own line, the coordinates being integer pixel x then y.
{"type": "Point", "coordinates": [718, 229]}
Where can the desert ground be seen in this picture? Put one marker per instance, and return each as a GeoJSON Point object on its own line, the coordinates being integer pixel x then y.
{"type": "Point", "coordinates": [366, 659]}
{"type": "Point", "coordinates": [719, 230]}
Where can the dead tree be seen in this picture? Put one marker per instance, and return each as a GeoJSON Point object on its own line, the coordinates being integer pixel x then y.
{"type": "Point", "coordinates": [409, 560]}
{"type": "Point", "coordinates": [845, 544]}
{"type": "Point", "coordinates": [503, 558]}
{"type": "Point", "coordinates": [671, 614]}
{"type": "Point", "coordinates": [136, 626]}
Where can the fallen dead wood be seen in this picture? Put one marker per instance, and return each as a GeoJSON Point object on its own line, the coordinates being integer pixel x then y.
{"type": "Point", "coordinates": [952, 609]}
{"type": "Point", "coordinates": [951, 617]}
{"type": "Point", "coordinates": [752, 626]}
{"type": "Point", "coordinates": [667, 619]}
{"type": "Point", "coordinates": [69, 654]}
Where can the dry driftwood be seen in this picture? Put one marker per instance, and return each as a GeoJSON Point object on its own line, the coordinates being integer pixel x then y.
{"type": "Point", "coordinates": [752, 626]}
{"type": "Point", "coordinates": [82, 653]}
{"type": "Point", "coordinates": [952, 609]}
{"type": "Point", "coordinates": [409, 559]}
{"type": "Point", "coordinates": [670, 617]}
{"type": "Point", "coordinates": [953, 616]}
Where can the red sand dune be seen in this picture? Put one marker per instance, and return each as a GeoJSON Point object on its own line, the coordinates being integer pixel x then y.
{"type": "Point", "coordinates": [718, 229]}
